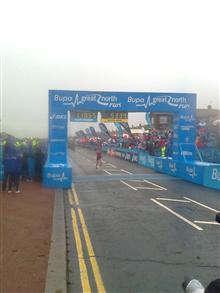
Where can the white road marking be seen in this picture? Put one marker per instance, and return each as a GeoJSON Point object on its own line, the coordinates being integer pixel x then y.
{"type": "Point", "coordinates": [113, 170]}
{"type": "Point", "coordinates": [177, 215]}
{"type": "Point", "coordinates": [112, 165]}
{"type": "Point", "coordinates": [107, 172]}
{"type": "Point", "coordinates": [126, 171]}
{"type": "Point", "coordinates": [89, 161]}
{"type": "Point", "coordinates": [155, 184]}
{"type": "Point", "coordinates": [201, 204]}
{"type": "Point", "coordinates": [128, 185]}
{"type": "Point", "coordinates": [141, 181]}
{"type": "Point", "coordinates": [209, 223]}
{"type": "Point", "coordinates": [170, 199]}
{"type": "Point", "coordinates": [150, 188]}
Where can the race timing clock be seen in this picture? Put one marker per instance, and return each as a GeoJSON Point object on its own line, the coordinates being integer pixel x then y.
{"type": "Point", "coordinates": [83, 116]}
{"type": "Point", "coordinates": [109, 116]}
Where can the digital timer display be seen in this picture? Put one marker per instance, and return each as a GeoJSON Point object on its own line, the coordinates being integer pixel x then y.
{"type": "Point", "coordinates": [114, 116]}
{"type": "Point", "coordinates": [83, 116]}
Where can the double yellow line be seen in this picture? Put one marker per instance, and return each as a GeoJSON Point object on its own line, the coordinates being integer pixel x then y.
{"type": "Point", "coordinates": [82, 265]}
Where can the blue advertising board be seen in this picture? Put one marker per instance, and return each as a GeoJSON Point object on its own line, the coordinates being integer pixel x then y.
{"type": "Point", "coordinates": [209, 155]}
{"type": "Point", "coordinates": [57, 175]}
{"type": "Point", "coordinates": [193, 172]}
{"type": "Point", "coordinates": [183, 106]}
{"type": "Point", "coordinates": [119, 153]}
{"type": "Point", "coordinates": [131, 157]}
{"type": "Point", "coordinates": [160, 164]}
{"type": "Point", "coordinates": [146, 160]}
{"type": "Point", "coordinates": [212, 176]}
{"type": "Point", "coordinates": [173, 168]}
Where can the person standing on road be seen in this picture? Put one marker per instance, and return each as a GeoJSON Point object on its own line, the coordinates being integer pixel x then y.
{"type": "Point", "coordinates": [99, 157]}
{"type": "Point", "coordinates": [25, 156]}
{"type": "Point", "coordinates": [13, 163]}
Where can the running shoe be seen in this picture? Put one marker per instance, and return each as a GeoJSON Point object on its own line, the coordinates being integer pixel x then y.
{"type": "Point", "coordinates": [17, 191]}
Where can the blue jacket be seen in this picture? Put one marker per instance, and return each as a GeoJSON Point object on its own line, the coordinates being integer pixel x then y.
{"type": "Point", "coordinates": [12, 161]}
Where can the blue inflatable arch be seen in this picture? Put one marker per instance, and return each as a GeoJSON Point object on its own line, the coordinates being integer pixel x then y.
{"type": "Point", "coordinates": [58, 171]}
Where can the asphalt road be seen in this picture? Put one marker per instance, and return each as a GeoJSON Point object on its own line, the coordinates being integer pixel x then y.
{"type": "Point", "coordinates": [131, 229]}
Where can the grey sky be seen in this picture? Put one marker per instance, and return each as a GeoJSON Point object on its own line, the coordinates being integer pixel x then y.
{"type": "Point", "coordinates": [143, 46]}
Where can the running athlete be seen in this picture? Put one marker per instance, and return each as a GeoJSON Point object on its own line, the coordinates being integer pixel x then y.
{"type": "Point", "coordinates": [99, 157]}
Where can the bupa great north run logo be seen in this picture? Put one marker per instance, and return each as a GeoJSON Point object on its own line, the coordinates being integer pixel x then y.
{"type": "Point", "coordinates": [134, 158]}
{"type": "Point", "coordinates": [215, 174]}
{"type": "Point", "coordinates": [110, 102]}
{"type": "Point", "coordinates": [191, 171]}
{"type": "Point", "coordinates": [159, 164]}
{"type": "Point", "coordinates": [152, 101]}
{"type": "Point", "coordinates": [172, 167]}
{"type": "Point", "coordinates": [58, 177]}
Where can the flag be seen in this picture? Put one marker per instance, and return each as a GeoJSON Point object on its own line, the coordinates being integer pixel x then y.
{"type": "Point", "coordinates": [88, 132]}
{"type": "Point", "coordinates": [118, 125]}
{"type": "Point", "coordinates": [104, 128]}
{"type": "Point", "coordinates": [148, 120]}
{"type": "Point", "coordinates": [126, 127]}
{"type": "Point", "coordinates": [92, 129]}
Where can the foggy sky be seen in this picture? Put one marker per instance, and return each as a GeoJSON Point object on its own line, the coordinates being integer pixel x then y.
{"type": "Point", "coordinates": [128, 46]}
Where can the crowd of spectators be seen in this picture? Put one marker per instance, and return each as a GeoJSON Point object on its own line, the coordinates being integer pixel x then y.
{"type": "Point", "coordinates": [22, 159]}
{"type": "Point", "coordinates": [207, 136]}
{"type": "Point", "coordinates": [149, 141]}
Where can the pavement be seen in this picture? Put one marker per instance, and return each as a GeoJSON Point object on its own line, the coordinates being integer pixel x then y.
{"type": "Point", "coordinates": [33, 240]}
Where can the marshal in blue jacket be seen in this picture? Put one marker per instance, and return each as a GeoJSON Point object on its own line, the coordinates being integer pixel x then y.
{"type": "Point", "coordinates": [12, 161]}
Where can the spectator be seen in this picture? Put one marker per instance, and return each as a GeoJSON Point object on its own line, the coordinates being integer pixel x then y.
{"type": "Point", "coordinates": [25, 156]}
{"type": "Point", "coordinates": [39, 161]}
{"type": "Point", "coordinates": [13, 163]}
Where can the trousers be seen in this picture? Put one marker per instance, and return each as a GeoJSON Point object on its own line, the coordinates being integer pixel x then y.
{"type": "Point", "coordinates": [14, 178]}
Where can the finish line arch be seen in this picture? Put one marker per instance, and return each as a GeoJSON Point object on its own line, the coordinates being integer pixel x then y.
{"type": "Point", "coordinates": [58, 171]}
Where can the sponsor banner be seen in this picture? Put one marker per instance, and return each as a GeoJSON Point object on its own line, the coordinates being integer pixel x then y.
{"type": "Point", "coordinates": [92, 129]}
{"type": "Point", "coordinates": [126, 127]}
{"type": "Point", "coordinates": [111, 152]}
{"type": "Point", "coordinates": [83, 134]}
{"type": "Point", "coordinates": [118, 125]}
{"type": "Point", "coordinates": [212, 176]}
{"type": "Point", "coordinates": [57, 152]}
{"type": "Point", "coordinates": [132, 157]}
{"type": "Point", "coordinates": [173, 168]}
{"type": "Point", "coordinates": [57, 140]}
{"type": "Point", "coordinates": [187, 152]}
{"type": "Point", "coordinates": [123, 101]}
{"type": "Point", "coordinates": [57, 176]}
{"type": "Point", "coordinates": [208, 155]}
{"type": "Point", "coordinates": [103, 127]}
{"type": "Point", "coordinates": [103, 135]}
{"type": "Point", "coordinates": [78, 134]}
{"type": "Point", "coordinates": [58, 124]}
{"type": "Point", "coordinates": [146, 160]}
{"type": "Point", "coordinates": [193, 172]}
{"type": "Point", "coordinates": [148, 119]}
{"type": "Point", "coordinates": [120, 154]}
{"type": "Point", "coordinates": [160, 164]}
{"type": "Point", "coordinates": [88, 132]}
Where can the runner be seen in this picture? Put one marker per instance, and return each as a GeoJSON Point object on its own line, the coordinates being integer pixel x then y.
{"type": "Point", "coordinates": [99, 157]}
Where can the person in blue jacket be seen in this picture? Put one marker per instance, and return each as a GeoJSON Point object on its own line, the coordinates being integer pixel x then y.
{"type": "Point", "coordinates": [13, 163]}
